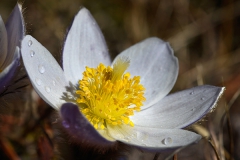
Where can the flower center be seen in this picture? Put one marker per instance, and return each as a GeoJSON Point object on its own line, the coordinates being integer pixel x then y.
{"type": "Point", "coordinates": [108, 96]}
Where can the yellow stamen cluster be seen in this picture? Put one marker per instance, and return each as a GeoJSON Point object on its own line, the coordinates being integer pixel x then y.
{"type": "Point", "coordinates": [108, 96]}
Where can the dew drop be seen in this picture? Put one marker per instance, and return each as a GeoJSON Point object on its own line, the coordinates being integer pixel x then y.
{"type": "Point", "coordinates": [167, 141]}
{"type": "Point", "coordinates": [142, 136]}
{"type": "Point", "coordinates": [47, 89]}
{"type": "Point", "coordinates": [126, 139]}
{"type": "Point", "coordinates": [41, 69]}
{"type": "Point", "coordinates": [134, 135]}
{"type": "Point", "coordinates": [202, 98]}
{"type": "Point", "coordinates": [29, 43]}
{"type": "Point", "coordinates": [32, 53]}
{"type": "Point", "coordinates": [65, 124]}
{"type": "Point", "coordinates": [143, 144]}
{"type": "Point", "coordinates": [38, 81]}
{"type": "Point", "coordinates": [120, 136]}
{"type": "Point", "coordinates": [54, 83]}
{"type": "Point", "coordinates": [192, 93]}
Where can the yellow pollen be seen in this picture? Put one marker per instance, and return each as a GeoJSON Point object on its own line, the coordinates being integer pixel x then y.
{"type": "Point", "coordinates": [108, 96]}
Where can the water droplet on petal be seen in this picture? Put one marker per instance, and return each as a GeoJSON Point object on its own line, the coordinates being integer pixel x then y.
{"type": "Point", "coordinates": [120, 136]}
{"type": "Point", "coordinates": [65, 124]}
{"type": "Point", "coordinates": [29, 43]}
{"type": "Point", "coordinates": [41, 69]}
{"type": "Point", "coordinates": [126, 138]}
{"type": "Point", "coordinates": [167, 141]}
{"type": "Point", "coordinates": [54, 83]}
{"type": "Point", "coordinates": [32, 53]}
{"type": "Point", "coordinates": [47, 89]}
{"type": "Point", "coordinates": [134, 135]}
{"type": "Point", "coordinates": [142, 136]}
{"type": "Point", "coordinates": [143, 144]}
{"type": "Point", "coordinates": [38, 81]}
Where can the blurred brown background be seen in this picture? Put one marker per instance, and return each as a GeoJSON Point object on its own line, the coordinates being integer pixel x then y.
{"type": "Point", "coordinates": [205, 36]}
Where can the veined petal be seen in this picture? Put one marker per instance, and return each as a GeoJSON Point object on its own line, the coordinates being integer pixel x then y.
{"type": "Point", "coordinates": [153, 60]}
{"type": "Point", "coordinates": [15, 32]}
{"type": "Point", "coordinates": [46, 75]}
{"type": "Point", "coordinates": [79, 128]}
{"type": "Point", "coordinates": [180, 109]}
{"type": "Point", "coordinates": [84, 46]}
{"type": "Point", "coordinates": [7, 74]}
{"type": "Point", "coordinates": [3, 43]}
{"type": "Point", "coordinates": [153, 139]}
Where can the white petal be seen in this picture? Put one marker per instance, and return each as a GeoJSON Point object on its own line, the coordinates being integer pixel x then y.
{"type": "Point", "coordinates": [44, 72]}
{"type": "Point", "coordinates": [154, 139]}
{"type": "Point", "coordinates": [3, 43]}
{"type": "Point", "coordinates": [153, 60]}
{"type": "Point", "coordinates": [84, 46]}
{"type": "Point", "coordinates": [15, 32]}
{"type": "Point", "coordinates": [180, 109]}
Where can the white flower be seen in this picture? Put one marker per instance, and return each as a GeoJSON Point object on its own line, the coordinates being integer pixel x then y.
{"type": "Point", "coordinates": [10, 36]}
{"type": "Point", "coordinates": [157, 126]}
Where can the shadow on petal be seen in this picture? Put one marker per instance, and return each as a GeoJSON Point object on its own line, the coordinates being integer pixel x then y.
{"type": "Point", "coordinates": [7, 75]}
{"type": "Point", "coordinates": [80, 130]}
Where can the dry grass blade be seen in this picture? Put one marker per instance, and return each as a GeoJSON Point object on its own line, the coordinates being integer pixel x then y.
{"type": "Point", "coordinates": [214, 149]}
{"type": "Point", "coordinates": [175, 157]}
{"type": "Point", "coordinates": [200, 26]}
{"type": "Point", "coordinates": [156, 156]}
{"type": "Point", "coordinates": [8, 149]}
{"type": "Point", "coordinates": [230, 133]}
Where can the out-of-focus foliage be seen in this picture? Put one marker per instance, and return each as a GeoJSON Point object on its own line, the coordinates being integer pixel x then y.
{"type": "Point", "coordinates": [204, 34]}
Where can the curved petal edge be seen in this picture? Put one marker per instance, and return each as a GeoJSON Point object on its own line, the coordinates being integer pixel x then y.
{"type": "Point", "coordinates": [84, 46]}
{"type": "Point", "coordinates": [8, 73]}
{"type": "Point", "coordinates": [180, 109]}
{"type": "Point", "coordinates": [153, 139]}
{"type": "Point", "coordinates": [153, 60]}
{"type": "Point", "coordinates": [15, 32]}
